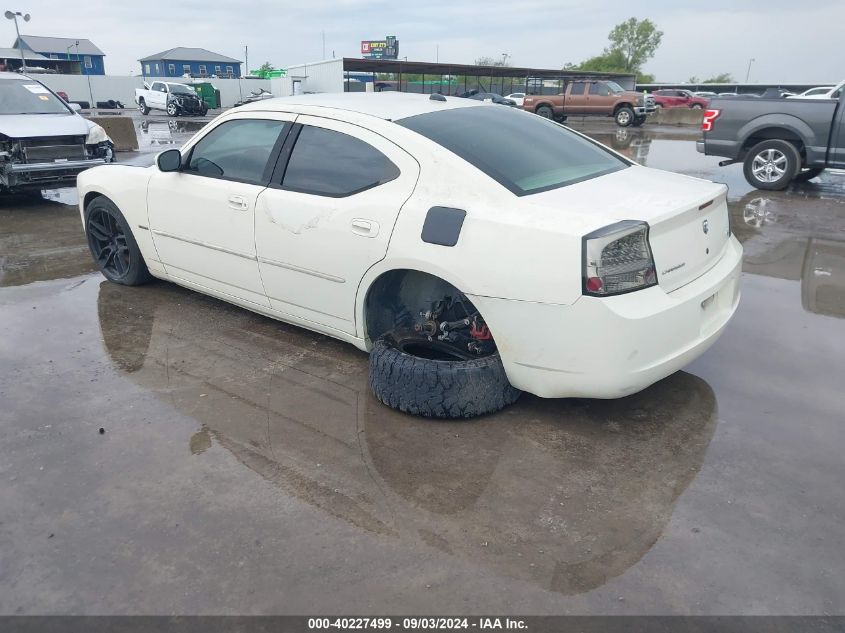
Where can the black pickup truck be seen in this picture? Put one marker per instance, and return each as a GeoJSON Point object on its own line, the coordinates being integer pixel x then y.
{"type": "Point", "coordinates": [777, 140]}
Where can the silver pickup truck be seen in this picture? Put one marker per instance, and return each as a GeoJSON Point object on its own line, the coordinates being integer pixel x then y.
{"type": "Point", "coordinates": [44, 143]}
{"type": "Point", "coordinates": [777, 140]}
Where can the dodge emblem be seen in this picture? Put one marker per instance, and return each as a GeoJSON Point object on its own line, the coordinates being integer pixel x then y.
{"type": "Point", "coordinates": [705, 226]}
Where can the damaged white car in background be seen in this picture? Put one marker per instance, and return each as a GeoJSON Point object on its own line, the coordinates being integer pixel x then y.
{"type": "Point", "coordinates": [44, 143]}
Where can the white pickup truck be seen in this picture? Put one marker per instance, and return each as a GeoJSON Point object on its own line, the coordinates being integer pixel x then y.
{"type": "Point", "coordinates": [173, 98]}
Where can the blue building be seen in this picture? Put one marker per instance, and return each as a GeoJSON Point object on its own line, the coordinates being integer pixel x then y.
{"type": "Point", "coordinates": [196, 62]}
{"type": "Point", "coordinates": [79, 56]}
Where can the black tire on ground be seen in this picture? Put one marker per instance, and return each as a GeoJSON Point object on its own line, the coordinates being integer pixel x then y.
{"type": "Point", "coordinates": [546, 112]}
{"type": "Point", "coordinates": [438, 388]}
{"type": "Point", "coordinates": [204, 109]}
{"type": "Point", "coordinates": [638, 121]}
{"type": "Point", "coordinates": [624, 116]}
{"type": "Point", "coordinates": [172, 109]}
{"type": "Point", "coordinates": [696, 106]}
{"type": "Point", "coordinates": [112, 244]}
{"type": "Point", "coordinates": [142, 106]}
{"type": "Point", "coordinates": [808, 174]}
{"type": "Point", "coordinates": [771, 164]}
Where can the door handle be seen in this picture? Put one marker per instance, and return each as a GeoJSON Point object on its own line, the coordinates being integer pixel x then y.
{"type": "Point", "coordinates": [238, 203]}
{"type": "Point", "coordinates": [365, 228]}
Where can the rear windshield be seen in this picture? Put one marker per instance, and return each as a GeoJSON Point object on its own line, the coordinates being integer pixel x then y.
{"type": "Point", "coordinates": [523, 152]}
{"type": "Point", "coordinates": [28, 97]}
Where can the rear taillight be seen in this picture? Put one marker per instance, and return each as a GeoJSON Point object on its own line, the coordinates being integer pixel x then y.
{"type": "Point", "coordinates": [709, 117]}
{"type": "Point", "coordinates": [617, 259]}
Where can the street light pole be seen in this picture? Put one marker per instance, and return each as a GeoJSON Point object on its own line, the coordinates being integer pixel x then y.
{"type": "Point", "coordinates": [748, 72]}
{"type": "Point", "coordinates": [13, 15]}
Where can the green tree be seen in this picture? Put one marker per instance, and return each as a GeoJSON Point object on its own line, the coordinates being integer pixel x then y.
{"type": "Point", "coordinates": [636, 41]}
{"type": "Point", "coordinates": [722, 78]}
{"type": "Point", "coordinates": [693, 80]}
{"type": "Point", "coordinates": [632, 44]}
{"type": "Point", "coordinates": [266, 67]}
{"type": "Point", "coordinates": [491, 61]}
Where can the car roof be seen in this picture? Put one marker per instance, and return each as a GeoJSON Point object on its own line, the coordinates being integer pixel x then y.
{"type": "Point", "coordinates": [390, 106]}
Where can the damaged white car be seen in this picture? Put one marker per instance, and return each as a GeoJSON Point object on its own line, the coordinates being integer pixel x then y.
{"type": "Point", "coordinates": [44, 143]}
{"type": "Point", "coordinates": [475, 251]}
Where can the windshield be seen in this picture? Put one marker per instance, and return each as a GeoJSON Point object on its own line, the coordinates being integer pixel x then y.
{"type": "Point", "coordinates": [614, 87]}
{"type": "Point", "coordinates": [28, 97]}
{"type": "Point", "coordinates": [523, 152]}
{"type": "Point", "coordinates": [179, 89]}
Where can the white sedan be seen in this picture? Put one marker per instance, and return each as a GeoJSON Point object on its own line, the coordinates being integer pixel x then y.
{"type": "Point", "coordinates": [517, 97]}
{"type": "Point", "coordinates": [822, 92]}
{"type": "Point", "coordinates": [471, 265]}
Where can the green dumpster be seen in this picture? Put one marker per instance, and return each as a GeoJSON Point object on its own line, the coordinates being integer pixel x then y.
{"type": "Point", "coordinates": [207, 93]}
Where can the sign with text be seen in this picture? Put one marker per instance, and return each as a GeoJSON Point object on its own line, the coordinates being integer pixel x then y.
{"type": "Point", "coordinates": [388, 48]}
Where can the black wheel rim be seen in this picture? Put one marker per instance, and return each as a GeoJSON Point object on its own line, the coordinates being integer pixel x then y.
{"type": "Point", "coordinates": [108, 243]}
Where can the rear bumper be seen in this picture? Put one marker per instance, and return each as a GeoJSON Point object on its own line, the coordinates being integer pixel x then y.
{"type": "Point", "coordinates": [615, 346]}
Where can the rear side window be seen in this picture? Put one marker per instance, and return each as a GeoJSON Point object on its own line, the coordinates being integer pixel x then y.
{"type": "Point", "coordinates": [236, 150]}
{"type": "Point", "coordinates": [329, 163]}
{"type": "Point", "coordinates": [577, 89]}
{"type": "Point", "coordinates": [523, 152]}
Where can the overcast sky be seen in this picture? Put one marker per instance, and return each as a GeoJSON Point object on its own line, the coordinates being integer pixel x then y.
{"type": "Point", "coordinates": [790, 40]}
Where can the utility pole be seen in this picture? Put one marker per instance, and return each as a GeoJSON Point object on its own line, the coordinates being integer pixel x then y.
{"type": "Point", "coordinates": [246, 58]}
{"type": "Point", "coordinates": [13, 15]}
{"type": "Point", "coordinates": [437, 54]}
{"type": "Point", "coordinates": [323, 33]}
{"type": "Point", "coordinates": [748, 72]}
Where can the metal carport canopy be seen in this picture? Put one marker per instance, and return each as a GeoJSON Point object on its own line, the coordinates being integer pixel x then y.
{"type": "Point", "coordinates": [351, 64]}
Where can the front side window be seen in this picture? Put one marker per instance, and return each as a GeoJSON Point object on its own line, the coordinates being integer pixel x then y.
{"type": "Point", "coordinates": [158, 87]}
{"type": "Point", "coordinates": [236, 150]}
{"type": "Point", "coordinates": [329, 163]}
{"type": "Point", "coordinates": [599, 89]}
{"type": "Point", "coordinates": [523, 152]}
{"type": "Point", "coordinates": [577, 88]}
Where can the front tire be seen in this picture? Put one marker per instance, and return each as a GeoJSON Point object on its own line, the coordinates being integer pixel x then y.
{"type": "Point", "coordinates": [112, 244]}
{"type": "Point", "coordinates": [172, 109]}
{"type": "Point", "coordinates": [771, 164]}
{"type": "Point", "coordinates": [624, 116]}
{"type": "Point", "coordinates": [435, 387]}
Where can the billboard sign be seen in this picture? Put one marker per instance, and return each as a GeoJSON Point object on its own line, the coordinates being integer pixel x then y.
{"type": "Point", "coordinates": [388, 48]}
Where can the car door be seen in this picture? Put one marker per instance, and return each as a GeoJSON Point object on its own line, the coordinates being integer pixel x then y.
{"type": "Point", "coordinates": [158, 95]}
{"type": "Point", "coordinates": [600, 99]}
{"type": "Point", "coordinates": [328, 218]}
{"type": "Point", "coordinates": [202, 216]}
{"type": "Point", "coordinates": [836, 153]}
{"type": "Point", "coordinates": [575, 101]}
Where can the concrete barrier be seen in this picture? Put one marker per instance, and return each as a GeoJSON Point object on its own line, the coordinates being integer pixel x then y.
{"type": "Point", "coordinates": [676, 116]}
{"type": "Point", "coordinates": [121, 129]}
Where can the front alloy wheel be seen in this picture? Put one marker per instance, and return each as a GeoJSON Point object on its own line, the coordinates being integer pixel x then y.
{"type": "Point", "coordinates": [112, 244]}
{"type": "Point", "coordinates": [172, 110]}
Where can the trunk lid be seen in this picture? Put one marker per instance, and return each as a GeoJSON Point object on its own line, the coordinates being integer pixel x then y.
{"type": "Point", "coordinates": [687, 217]}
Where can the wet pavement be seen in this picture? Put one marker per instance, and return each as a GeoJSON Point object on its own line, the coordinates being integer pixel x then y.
{"type": "Point", "coordinates": [246, 468]}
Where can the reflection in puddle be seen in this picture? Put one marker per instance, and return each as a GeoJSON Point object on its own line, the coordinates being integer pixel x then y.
{"type": "Point", "coordinates": [153, 133]}
{"type": "Point", "coordinates": [564, 493]}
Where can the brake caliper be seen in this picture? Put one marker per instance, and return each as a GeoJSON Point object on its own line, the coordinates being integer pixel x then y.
{"type": "Point", "coordinates": [455, 321]}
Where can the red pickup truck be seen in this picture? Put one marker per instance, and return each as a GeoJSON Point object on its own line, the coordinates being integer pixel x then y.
{"type": "Point", "coordinates": [679, 99]}
{"type": "Point", "coordinates": [593, 97]}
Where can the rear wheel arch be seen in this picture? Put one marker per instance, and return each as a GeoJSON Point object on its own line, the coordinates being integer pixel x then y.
{"type": "Point", "coordinates": [792, 132]}
{"type": "Point", "coordinates": [391, 297]}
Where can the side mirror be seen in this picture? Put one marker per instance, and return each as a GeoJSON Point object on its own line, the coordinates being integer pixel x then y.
{"type": "Point", "coordinates": [75, 107]}
{"type": "Point", "coordinates": [169, 160]}
{"type": "Point", "coordinates": [146, 86]}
